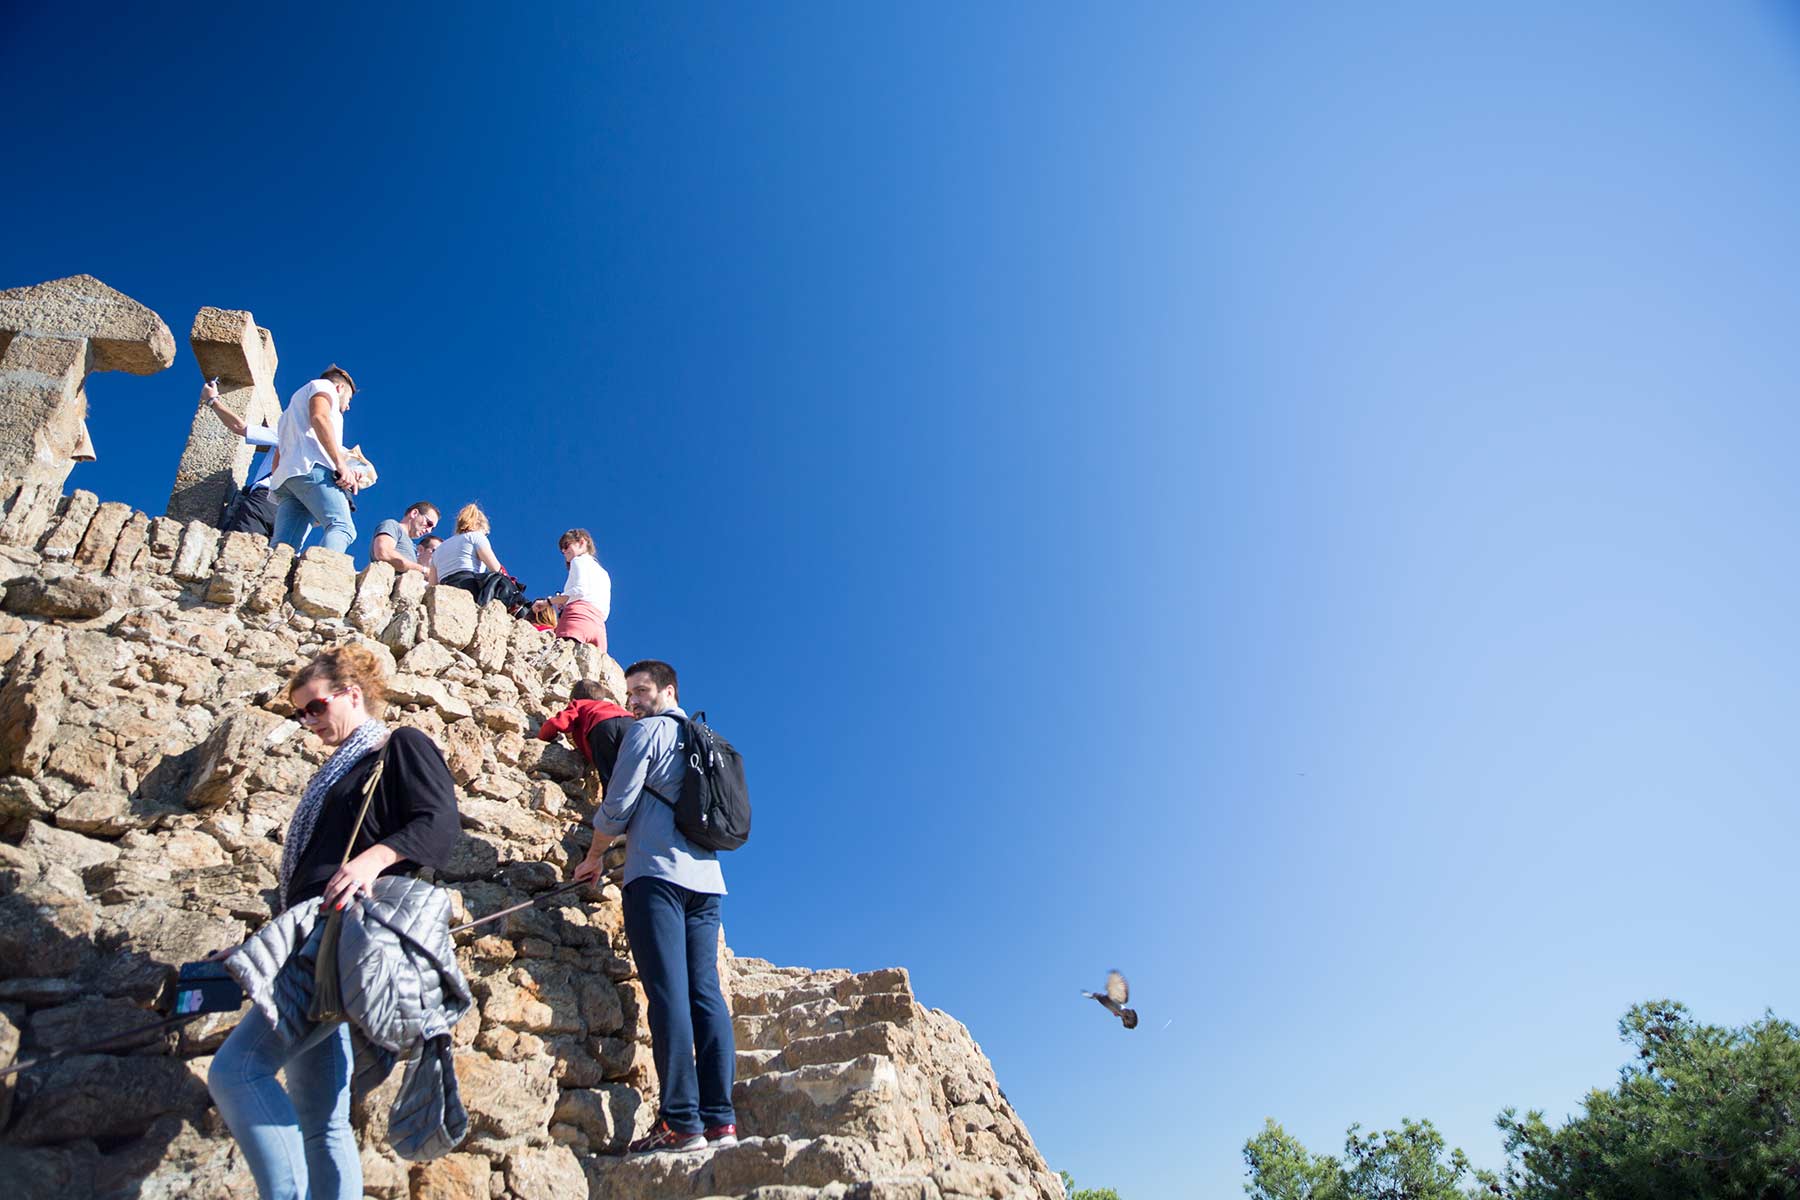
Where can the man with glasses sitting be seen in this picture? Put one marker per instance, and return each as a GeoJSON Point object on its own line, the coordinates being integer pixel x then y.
{"type": "Point", "coordinates": [396, 542]}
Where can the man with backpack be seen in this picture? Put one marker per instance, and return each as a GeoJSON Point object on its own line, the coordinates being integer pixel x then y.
{"type": "Point", "coordinates": [672, 893]}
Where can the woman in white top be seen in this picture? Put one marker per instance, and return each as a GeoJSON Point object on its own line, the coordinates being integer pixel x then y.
{"type": "Point", "coordinates": [586, 598]}
{"type": "Point", "coordinates": [463, 559]}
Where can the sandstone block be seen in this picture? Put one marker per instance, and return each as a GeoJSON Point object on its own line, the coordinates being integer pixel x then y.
{"type": "Point", "coordinates": [83, 760]}
{"type": "Point", "coordinates": [409, 590]}
{"type": "Point", "coordinates": [30, 711]}
{"type": "Point", "coordinates": [453, 1177]}
{"type": "Point", "coordinates": [66, 846]}
{"type": "Point", "coordinates": [194, 558]}
{"type": "Point", "coordinates": [507, 1102]}
{"type": "Point", "coordinates": [132, 540]}
{"type": "Point", "coordinates": [373, 606]}
{"type": "Point", "coordinates": [102, 535]}
{"type": "Point", "coordinates": [551, 1173]}
{"type": "Point", "coordinates": [164, 538]}
{"type": "Point", "coordinates": [428, 658]}
{"type": "Point", "coordinates": [324, 583]}
{"type": "Point", "coordinates": [106, 813]}
{"type": "Point", "coordinates": [404, 688]}
{"type": "Point", "coordinates": [72, 597]}
{"type": "Point", "coordinates": [231, 348]}
{"type": "Point", "coordinates": [606, 1115]}
{"type": "Point", "coordinates": [227, 757]}
{"type": "Point", "coordinates": [453, 615]}
{"type": "Point", "coordinates": [100, 1096]}
{"type": "Point", "coordinates": [68, 530]}
{"type": "Point", "coordinates": [493, 634]}
{"type": "Point", "coordinates": [43, 932]}
{"type": "Point", "coordinates": [29, 514]}
{"type": "Point", "coordinates": [404, 628]}
{"type": "Point", "coordinates": [269, 588]}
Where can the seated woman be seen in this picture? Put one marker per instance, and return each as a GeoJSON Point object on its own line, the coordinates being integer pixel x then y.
{"type": "Point", "coordinates": [586, 598]}
{"type": "Point", "coordinates": [297, 1140]}
{"type": "Point", "coordinates": [463, 559]}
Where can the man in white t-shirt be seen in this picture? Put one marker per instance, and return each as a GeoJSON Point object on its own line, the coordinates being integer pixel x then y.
{"type": "Point", "coordinates": [312, 479]}
{"type": "Point", "coordinates": [586, 599]}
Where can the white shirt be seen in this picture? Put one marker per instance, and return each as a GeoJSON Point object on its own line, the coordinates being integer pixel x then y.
{"type": "Point", "coordinates": [589, 581]}
{"type": "Point", "coordinates": [458, 553]}
{"type": "Point", "coordinates": [264, 436]}
{"type": "Point", "coordinates": [299, 445]}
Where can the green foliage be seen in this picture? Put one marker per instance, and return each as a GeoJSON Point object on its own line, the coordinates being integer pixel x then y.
{"type": "Point", "coordinates": [1409, 1163]}
{"type": "Point", "coordinates": [1701, 1112]}
{"type": "Point", "coordinates": [1068, 1181]}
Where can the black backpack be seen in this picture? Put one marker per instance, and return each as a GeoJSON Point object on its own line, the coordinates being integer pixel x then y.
{"type": "Point", "coordinates": [713, 810]}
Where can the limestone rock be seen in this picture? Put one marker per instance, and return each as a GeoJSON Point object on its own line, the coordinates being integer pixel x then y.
{"type": "Point", "coordinates": [100, 1096]}
{"type": "Point", "coordinates": [373, 606]}
{"type": "Point", "coordinates": [102, 535]}
{"type": "Point", "coordinates": [75, 597]}
{"type": "Point", "coordinates": [550, 1173]}
{"type": "Point", "coordinates": [71, 526]}
{"type": "Point", "coordinates": [493, 634]}
{"type": "Point", "coordinates": [324, 583]}
{"type": "Point", "coordinates": [453, 615]}
{"type": "Point", "coordinates": [607, 1116]}
{"type": "Point", "coordinates": [434, 693]}
{"type": "Point", "coordinates": [453, 1177]}
{"type": "Point", "coordinates": [225, 759]}
{"type": "Point", "coordinates": [508, 1103]}
{"type": "Point", "coordinates": [194, 558]}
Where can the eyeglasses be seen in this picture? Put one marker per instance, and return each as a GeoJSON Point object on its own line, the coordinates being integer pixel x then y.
{"type": "Point", "coordinates": [312, 710]}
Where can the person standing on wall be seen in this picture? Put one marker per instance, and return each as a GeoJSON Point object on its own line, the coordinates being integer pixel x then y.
{"type": "Point", "coordinates": [313, 479]}
{"type": "Point", "coordinates": [672, 894]}
{"type": "Point", "coordinates": [586, 599]}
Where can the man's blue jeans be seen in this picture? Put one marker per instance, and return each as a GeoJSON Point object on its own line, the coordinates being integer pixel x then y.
{"type": "Point", "coordinates": [298, 1143]}
{"type": "Point", "coordinates": [314, 497]}
{"type": "Point", "coordinates": [675, 939]}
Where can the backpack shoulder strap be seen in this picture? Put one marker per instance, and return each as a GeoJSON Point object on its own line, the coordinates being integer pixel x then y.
{"type": "Point", "coordinates": [681, 727]}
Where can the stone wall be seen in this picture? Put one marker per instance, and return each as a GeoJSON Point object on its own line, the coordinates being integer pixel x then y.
{"type": "Point", "coordinates": [148, 766]}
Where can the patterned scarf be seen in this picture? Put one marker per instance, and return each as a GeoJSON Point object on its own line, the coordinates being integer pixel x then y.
{"type": "Point", "coordinates": [370, 735]}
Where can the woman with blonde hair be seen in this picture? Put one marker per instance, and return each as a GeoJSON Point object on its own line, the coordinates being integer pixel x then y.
{"type": "Point", "coordinates": [465, 557]}
{"type": "Point", "coordinates": [298, 1141]}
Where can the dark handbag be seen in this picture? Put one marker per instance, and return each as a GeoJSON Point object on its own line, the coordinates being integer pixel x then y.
{"type": "Point", "coordinates": [328, 997]}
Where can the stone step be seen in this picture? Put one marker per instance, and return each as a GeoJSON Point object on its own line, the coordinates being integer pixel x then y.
{"type": "Point", "coordinates": [748, 998]}
{"type": "Point", "coordinates": [863, 1097]}
{"type": "Point", "coordinates": [754, 1163]}
{"type": "Point", "coordinates": [751, 1063]}
{"type": "Point", "coordinates": [883, 1038]}
{"type": "Point", "coordinates": [812, 1018]}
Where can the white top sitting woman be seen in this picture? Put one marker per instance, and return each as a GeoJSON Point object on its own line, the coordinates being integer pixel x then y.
{"type": "Point", "coordinates": [586, 599]}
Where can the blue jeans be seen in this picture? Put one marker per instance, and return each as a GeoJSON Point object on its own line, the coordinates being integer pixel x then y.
{"type": "Point", "coordinates": [675, 939]}
{"type": "Point", "coordinates": [314, 497]}
{"type": "Point", "coordinates": [298, 1142]}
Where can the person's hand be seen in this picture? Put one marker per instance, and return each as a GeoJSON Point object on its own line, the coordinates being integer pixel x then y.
{"type": "Point", "coordinates": [588, 869]}
{"type": "Point", "coordinates": [209, 393]}
{"type": "Point", "coordinates": [354, 878]}
{"type": "Point", "coordinates": [349, 480]}
{"type": "Point", "coordinates": [221, 955]}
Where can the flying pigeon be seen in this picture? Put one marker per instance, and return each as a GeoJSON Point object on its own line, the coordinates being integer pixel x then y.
{"type": "Point", "coordinates": [1114, 998]}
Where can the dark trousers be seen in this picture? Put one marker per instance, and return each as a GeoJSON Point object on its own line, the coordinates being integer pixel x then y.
{"type": "Point", "coordinates": [675, 939]}
{"type": "Point", "coordinates": [251, 510]}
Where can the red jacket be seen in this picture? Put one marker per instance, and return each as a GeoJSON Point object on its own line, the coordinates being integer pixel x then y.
{"type": "Point", "coordinates": [578, 720]}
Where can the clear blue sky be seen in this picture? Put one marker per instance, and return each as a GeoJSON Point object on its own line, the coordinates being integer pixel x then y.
{"type": "Point", "coordinates": [1292, 502]}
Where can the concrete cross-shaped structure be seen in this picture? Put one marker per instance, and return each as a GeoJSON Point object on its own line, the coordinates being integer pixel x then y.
{"type": "Point", "coordinates": [52, 337]}
{"type": "Point", "coordinates": [231, 348]}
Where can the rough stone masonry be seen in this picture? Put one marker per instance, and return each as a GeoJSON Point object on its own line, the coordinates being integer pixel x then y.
{"type": "Point", "coordinates": [147, 769]}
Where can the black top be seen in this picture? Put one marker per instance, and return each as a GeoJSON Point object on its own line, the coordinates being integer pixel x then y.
{"type": "Point", "coordinates": [413, 813]}
{"type": "Point", "coordinates": [603, 742]}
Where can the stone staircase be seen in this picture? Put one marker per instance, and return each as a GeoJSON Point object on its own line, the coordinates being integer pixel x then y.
{"type": "Point", "coordinates": [847, 1087]}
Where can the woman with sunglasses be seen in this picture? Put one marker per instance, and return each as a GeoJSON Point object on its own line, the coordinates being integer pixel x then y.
{"type": "Point", "coordinates": [298, 1142]}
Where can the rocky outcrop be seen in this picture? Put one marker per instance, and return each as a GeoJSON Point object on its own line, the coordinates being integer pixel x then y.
{"type": "Point", "coordinates": [148, 766]}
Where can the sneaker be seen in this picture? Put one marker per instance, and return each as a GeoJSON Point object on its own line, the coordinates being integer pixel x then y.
{"type": "Point", "coordinates": [663, 1139]}
{"type": "Point", "coordinates": [721, 1136]}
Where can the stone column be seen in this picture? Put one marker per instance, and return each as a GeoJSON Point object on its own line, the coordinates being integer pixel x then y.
{"type": "Point", "coordinates": [229, 346]}
{"type": "Point", "coordinates": [52, 337]}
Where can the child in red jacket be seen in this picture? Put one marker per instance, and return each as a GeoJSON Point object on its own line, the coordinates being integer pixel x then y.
{"type": "Point", "coordinates": [594, 724]}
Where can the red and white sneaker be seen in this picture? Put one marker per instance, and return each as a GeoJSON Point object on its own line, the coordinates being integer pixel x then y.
{"type": "Point", "coordinates": [662, 1139]}
{"type": "Point", "coordinates": [721, 1136]}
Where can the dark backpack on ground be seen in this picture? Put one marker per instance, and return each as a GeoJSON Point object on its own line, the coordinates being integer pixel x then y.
{"type": "Point", "coordinates": [713, 810]}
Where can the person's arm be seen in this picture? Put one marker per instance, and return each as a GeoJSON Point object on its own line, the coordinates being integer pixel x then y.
{"type": "Point", "coordinates": [321, 405]}
{"type": "Point", "coordinates": [209, 395]}
{"type": "Point", "coordinates": [613, 817]}
{"type": "Point", "coordinates": [431, 574]}
{"type": "Point", "coordinates": [556, 726]}
{"type": "Point", "coordinates": [485, 553]}
{"type": "Point", "coordinates": [385, 549]}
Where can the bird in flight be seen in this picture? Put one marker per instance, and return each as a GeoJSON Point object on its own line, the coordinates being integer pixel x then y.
{"type": "Point", "coordinates": [1114, 999]}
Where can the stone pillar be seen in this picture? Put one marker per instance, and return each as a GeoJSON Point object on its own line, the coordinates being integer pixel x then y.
{"type": "Point", "coordinates": [52, 337]}
{"type": "Point", "coordinates": [230, 347]}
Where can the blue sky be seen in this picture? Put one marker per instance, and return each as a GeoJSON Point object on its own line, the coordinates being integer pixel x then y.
{"type": "Point", "coordinates": [1292, 502]}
